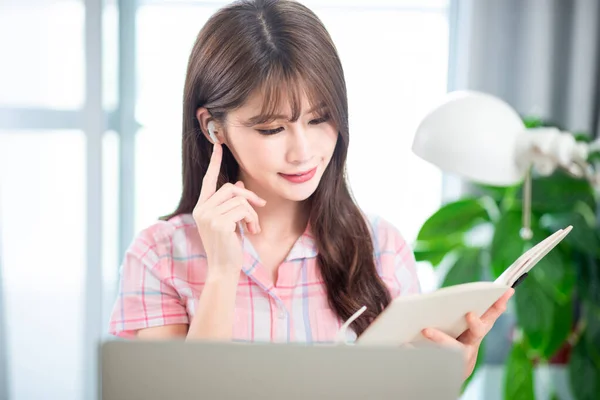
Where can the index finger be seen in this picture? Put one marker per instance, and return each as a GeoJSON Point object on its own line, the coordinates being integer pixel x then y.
{"type": "Point", "coordinates": [440, 337]}
{"type": "Point", "coordinates": [497, 309]}
{"type": "Point", "coordinates": [209, 182]}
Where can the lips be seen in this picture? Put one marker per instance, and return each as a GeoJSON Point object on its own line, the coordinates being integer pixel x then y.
{"type": "Point", "coordinates": [300, 177]}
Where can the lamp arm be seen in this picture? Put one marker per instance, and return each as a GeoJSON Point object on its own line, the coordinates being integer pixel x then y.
{"type": "Point", "coordinates": [548, 148]}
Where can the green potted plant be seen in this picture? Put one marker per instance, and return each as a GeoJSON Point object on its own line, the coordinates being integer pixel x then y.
{"type": "Point", "coordinates": [557, 307]}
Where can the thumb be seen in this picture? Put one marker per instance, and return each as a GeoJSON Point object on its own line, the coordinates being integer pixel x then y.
{"type": "Point", "coordinates": [240, 184]}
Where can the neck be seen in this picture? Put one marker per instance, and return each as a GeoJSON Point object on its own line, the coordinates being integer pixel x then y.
{"type": "Point", "coordinates": [279, 218]}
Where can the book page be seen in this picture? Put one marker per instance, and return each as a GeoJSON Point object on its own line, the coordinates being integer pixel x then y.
{"type": "Point", "coordinates": [531, 257]}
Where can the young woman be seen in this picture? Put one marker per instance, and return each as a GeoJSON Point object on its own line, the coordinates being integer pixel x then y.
{"type": "Point", "coordinates": [267, 243]}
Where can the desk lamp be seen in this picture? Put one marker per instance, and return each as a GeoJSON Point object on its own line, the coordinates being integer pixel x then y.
{"type": "Point", "coordinates": [481, 138]}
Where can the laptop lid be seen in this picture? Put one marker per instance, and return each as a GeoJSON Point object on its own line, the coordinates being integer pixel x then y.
{"type": "Point", "coordinates": [184, 370]}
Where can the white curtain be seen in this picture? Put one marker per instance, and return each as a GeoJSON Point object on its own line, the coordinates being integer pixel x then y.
{"type": "Point", "coordinates": [541, 56]}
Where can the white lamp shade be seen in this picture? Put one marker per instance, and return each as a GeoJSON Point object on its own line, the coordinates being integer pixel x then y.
{"type": "Point", "coordinates": [474, 135]}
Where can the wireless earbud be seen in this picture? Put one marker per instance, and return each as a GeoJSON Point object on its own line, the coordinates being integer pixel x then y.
{"type": "Point", "coordinates": [211, 132]}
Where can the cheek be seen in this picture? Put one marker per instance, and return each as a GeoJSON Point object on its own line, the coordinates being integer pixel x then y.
{"type": "Point", "coordinates": [254, 154]}
{"type": "Point", "coordinates": [327, 140]}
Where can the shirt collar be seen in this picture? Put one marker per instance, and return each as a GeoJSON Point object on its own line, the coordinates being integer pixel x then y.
{"type": "Point", "coordinates": [305, 246]}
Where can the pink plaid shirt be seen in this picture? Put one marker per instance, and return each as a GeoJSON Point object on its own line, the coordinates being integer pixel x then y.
{"type": "Point", "coordinates": [164, 271]}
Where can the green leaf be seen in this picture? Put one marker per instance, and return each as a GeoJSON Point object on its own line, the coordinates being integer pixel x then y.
{"type": "Point", "coordinates": [555, 272]}
{"type": "Point", "coordinates": [559, 192]}
{"type": "Point", "coordinates": [588, 277]}
{"type": "Point", "coordinates": [533, 122]}
{"type": "Point", "coordinates": [593, 157]}
{"type": "Point", "coordinates": [583, 237]}
{"type": "Point", "coordinates": [584, 373]}
{"type": "Point", "coordinates": [534, 309]}
{"type": "Point", "coordinates": [562, 326]}
{"type": "Point", "coordinates": [435, 250]}
{"type": "Point", "coordinates": [555, 276]}
{"type": "Point", "coordinates": [582, 137]}
{"type": "Point", "coordinates": [592, 331]}
{"type": "Point", "coordinates": [455, 217]}
{"type": "Point", "coordinates": [506, 245]}
{"type": "Point", "coordinates": [431, 256]}
{"type": "Point", "coordinates": [466, 268]}
{"type": "Point", "coordinates": [498, 193]}
{"type": "Point", "coordinates": [554, 396]}
{"type": "Point", "coordinates": [518, 378]}
{"type": "Point", "coordinates": [537, 122]}
{"type": "Point", "coordinates": [544, 305]}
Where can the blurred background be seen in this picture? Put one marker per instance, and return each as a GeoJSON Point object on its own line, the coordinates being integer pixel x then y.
{"type": "Point", "coordinates": [90, 121]}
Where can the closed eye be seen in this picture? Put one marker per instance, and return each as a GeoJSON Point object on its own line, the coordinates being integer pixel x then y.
{"type": "Point", "coordinates": [274, 131]}
{"type": "Point", "coordinates": [269, 131]}
{"type": "Point", "coordinates": [321, 120]}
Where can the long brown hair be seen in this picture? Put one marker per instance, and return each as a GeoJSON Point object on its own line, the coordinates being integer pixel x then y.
{"type": "Point", "coordinates": [282, 49]}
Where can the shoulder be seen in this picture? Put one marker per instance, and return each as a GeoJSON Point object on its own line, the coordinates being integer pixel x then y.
{"type": "Point", "coordinates": [394, 257]}
{"type": "Point", "coordinates": [163, 238]}
{"type": "Point", "coordinates": [386, 236]}
{"type": "Point", "coordinates": [153, 277]}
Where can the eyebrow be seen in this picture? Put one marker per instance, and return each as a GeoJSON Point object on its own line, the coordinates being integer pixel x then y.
{"type": "Point", "coordinates": [257, 119]}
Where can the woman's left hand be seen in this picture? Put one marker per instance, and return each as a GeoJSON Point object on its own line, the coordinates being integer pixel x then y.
{"type": "Point", "coordinates": [470, 339]}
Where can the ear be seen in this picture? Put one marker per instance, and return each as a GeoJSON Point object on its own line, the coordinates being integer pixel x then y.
{"type": "Point", "coordinates": [208, 125]}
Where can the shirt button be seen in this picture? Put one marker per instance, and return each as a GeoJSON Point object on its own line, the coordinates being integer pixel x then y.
{"type": "Point", "coordinates": [281, 314]}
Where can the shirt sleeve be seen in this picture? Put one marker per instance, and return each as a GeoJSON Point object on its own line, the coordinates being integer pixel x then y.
{"type": "Point", "coordinates": [145, 297]}
{"type": "Point", "coordinates": [395, 260]}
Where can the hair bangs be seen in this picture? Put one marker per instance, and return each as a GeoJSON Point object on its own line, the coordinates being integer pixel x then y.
{"type": "Point", "coordinates": [282, 93]}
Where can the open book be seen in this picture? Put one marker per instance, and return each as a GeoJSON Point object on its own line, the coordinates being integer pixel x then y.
{"type": "Point", "coordinates": [445, 309]}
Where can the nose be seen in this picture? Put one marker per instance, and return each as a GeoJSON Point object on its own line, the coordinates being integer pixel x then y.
{"type": "Point", "coordinates": [299, 149]}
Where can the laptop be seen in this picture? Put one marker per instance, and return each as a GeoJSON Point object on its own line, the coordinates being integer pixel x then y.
{"type": "Point", "coordinates": [159, 370]}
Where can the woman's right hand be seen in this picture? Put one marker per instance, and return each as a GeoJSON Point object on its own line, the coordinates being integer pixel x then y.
{"type": "Point", "coordinates": [217, 214]}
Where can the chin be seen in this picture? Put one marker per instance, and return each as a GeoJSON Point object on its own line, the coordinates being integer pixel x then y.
{"type": "Point", "coordinates": [298, 192]}
{"type": "Point", "coordinates": [299, 196]}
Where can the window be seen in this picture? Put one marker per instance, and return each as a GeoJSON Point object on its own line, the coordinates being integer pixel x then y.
{"type": "Point", "coordinates": [46, 68]}
{"type": "Point", "coordinates": [42, 208]}
{"type": "Point", "coordinates": [47, 238]}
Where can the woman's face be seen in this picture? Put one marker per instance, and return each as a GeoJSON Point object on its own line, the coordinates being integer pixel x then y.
{"type": "Point", "coordinates": [281, 159]}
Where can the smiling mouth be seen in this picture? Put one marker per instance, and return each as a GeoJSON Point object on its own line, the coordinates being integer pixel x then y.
{"type": "Point", "coordinates": [301, 173]}
{"type": "Point", "coordinates": [300, 177]}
